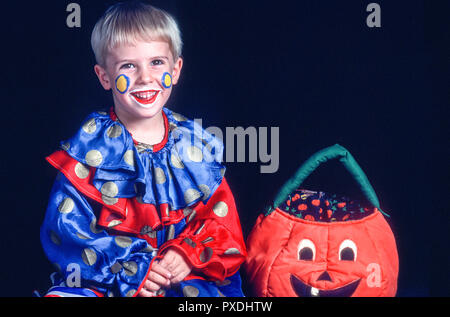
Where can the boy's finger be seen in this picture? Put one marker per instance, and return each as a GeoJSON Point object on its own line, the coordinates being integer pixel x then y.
{"type": "Point", "coordinates": [179, 276]}
{"type": "Point", "coordinates": [177, 279]}
{"type": "Point", "coordinates": [167, 261]}
{"type": "Point", "coordinates": [145, 293]}
{"type": "Point", "coordinates": [158, 279]}
{"type": "Point", "coordinates": [176, 272]}
{"type": "Point", "coordinates": [151, 286]}
{"type": "Point", "coordinates": [169, 266]}
{"type": "Point", "coordinates": [161, 270]}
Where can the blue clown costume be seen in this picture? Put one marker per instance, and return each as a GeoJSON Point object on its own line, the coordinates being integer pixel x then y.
{"type": "Point", "coordinates": [117, 205]}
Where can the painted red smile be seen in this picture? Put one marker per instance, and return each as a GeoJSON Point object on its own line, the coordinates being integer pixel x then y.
{"type": "Point", "coordinates": [145, 97]}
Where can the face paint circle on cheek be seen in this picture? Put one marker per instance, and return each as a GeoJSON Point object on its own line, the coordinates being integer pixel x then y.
{"type": "Point", "coordinates": [122, 83]}
{"type": "Point", "coordinates": [166, 80]}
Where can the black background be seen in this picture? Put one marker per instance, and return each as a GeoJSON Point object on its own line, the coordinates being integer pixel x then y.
{"type": "Point", "coordinates": [312, 68]}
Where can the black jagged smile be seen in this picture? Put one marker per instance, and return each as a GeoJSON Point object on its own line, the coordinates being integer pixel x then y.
{"type": "Point", "coordinates": [303, 290]}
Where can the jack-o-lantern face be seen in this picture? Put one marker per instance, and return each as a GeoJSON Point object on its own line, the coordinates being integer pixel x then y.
{"type": "Point", "coordinates": [290, 257]}
{"type": "Point", "coordinates": [307, 253]}
{"type": "Point", "coordinates": [314, 244]}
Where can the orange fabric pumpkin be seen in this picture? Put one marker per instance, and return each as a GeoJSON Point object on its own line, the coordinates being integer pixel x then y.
{"type": "Point", "coordinates": [312, 253]}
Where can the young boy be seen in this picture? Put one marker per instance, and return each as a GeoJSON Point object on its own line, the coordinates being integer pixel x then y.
{"type": "Point", "coordinates": [141, 206]}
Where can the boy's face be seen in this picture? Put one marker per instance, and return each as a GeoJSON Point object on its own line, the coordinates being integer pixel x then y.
{"type": "Point", "coordinates": [135, 75]}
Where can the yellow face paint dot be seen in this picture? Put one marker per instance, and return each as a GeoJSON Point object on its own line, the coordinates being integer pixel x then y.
{"type": "Point", "coordinates": [122, 84]}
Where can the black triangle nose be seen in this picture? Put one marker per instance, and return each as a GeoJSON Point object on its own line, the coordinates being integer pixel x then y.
{"type": "Point", "coordinates": [325, 277]}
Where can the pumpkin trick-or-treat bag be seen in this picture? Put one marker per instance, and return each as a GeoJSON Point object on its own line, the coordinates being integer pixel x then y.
{"type": "Point", "coordinates": [314, 244]}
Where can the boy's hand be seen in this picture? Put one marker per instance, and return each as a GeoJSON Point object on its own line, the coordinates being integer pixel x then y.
{"type": "Point", "coordinates": [158, 277]}
{"type": "Point", "coordinates": [176, 264]}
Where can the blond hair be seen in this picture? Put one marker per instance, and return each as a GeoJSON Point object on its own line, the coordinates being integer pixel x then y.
{"type": "Point", "coordinates": [127, 22]}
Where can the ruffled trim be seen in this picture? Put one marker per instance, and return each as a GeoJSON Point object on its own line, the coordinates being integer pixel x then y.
{"type": "Point", "coordinates": [180, 173]}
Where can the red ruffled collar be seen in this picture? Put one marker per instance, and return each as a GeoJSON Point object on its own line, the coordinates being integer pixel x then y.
{"type": "Point", "coordinates": [154, 147]}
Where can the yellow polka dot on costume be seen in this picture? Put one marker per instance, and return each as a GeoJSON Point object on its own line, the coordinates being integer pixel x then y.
{"type": "Point", "coordinates": [94, 158]}
{"type": "Point", "coordinates": [160, 176]}
{"type": "Point", "coordinates": [89, 256]}
{"type": "Point", "coordinates": [191, 195]}
{"type": "Point", "coordinates": [123, 241]}
{"type": "Point", "coordinates": [220, 209]}
{"type": "Point", "coordinates": [81, 171]}
{"type": "Point", "coordinates": [114, 223]}
{"type": "Point", "coordinates": [114, 131]}
{"type": "Point", "coordinates": [122, 84]}
{"type": "Point", "coordinates": [206, 255]}
{"type": "Point", "coordinates": [109, 200]}
{"type": "Point", "coordinates": [90, 126]}
{"type": "Point", "coordinates": [190, 291]}
{"type": "Point", "coordinates": [205, 190]}
{"type": "Point", "coordinates": [55, 238]}
{"type": "Point", "coordinates": [130, 293]}
{"type": "Point", "coordinates": [93, 226]}
{"type": "Point", "coordinates": [232, 251]}
{"type": "Point", "coordinates": [109, 189]}
{"type": "Point", "coordinates": [171, 233]}
{"type": "Point", "coordinates": [128, 157]}
{"type": "Point", "coordinates": [195, 154]}
{"type": "Point", "coordinates": [66, 206]}
{"type": "Point", "coordinates": [176, 161]}
{"type": "Point", "coordinates": [130, 267]}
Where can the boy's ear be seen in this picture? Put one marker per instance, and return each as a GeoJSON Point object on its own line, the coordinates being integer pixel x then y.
{"type": "Point", "coordinates": [177, 70]}
{"type": "Point", "coordinates": [102, 77]}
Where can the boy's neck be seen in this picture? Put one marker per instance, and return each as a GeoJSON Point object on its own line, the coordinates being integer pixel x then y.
{"type": "Point", "coordinates": [145, 130]}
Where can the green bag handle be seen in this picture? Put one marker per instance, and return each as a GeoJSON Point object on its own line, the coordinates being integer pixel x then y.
{"type": "Point", "coordinates": [330, 153]}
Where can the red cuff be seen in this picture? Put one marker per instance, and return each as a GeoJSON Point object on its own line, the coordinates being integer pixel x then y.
{"type": "Point", "coordinates": [199, 257]}
{"type": "Point", "coordinates": [212, 241]}
{"type": "Point", "coordinates": [213, 250]}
